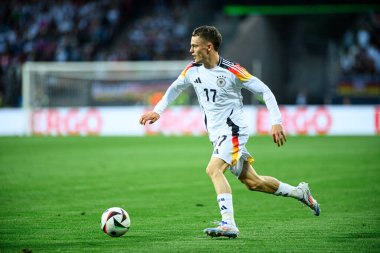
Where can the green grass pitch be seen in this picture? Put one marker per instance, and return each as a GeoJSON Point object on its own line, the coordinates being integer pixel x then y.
{"type": "Point", "coordinates": [54, 190]}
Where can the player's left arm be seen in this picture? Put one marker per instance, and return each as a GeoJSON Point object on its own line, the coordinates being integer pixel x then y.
{"type": "Point", "coordinates": [278, 134]}
{"type": "Point", "coordinates": [259, 88]}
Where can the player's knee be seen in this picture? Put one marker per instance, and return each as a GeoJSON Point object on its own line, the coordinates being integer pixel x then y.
{"type": "Point", "coordinates": [212, 172]}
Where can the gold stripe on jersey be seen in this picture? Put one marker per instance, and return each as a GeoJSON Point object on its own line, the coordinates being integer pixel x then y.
{"type": "Point", "coordinates": [250, 160]}
{"type": "Point", "coordinates": [191, 64]}
{"type": "Point", "coordinates": [236, 69]}
{"type": "Point", "coordinates": [240, 73]}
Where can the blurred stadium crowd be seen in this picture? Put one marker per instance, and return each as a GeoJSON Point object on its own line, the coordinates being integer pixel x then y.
{"type": "Point", "coordinates": [128, 30]}
{"type": "Point", "coordinates": [360, 48]}
{"type": "Point", "coordinates": [73, 30]}
{"type": "Point", "coordinates": [359, 59]}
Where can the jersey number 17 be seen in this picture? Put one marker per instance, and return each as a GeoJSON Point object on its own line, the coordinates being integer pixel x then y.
{"type": "Point", "coordinates": [213, 91]}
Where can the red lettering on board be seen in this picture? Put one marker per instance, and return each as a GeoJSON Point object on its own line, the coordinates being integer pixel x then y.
{"type": "Point", "coordinates": [73, 121]}
{"type": "Point", "coordinates": [377, 119]}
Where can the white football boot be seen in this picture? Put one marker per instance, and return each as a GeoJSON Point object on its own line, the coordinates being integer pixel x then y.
{"type": "Point", "coordinates": [308, 199]}
{"type": "Point", "coordinates": [223, 229]}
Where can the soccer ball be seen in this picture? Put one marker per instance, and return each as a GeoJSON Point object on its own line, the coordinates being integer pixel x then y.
{"type": "Point", "coordinates": [115, 222]}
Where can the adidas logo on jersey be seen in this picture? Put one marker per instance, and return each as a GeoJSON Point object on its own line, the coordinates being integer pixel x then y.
{"type": "Point", "coordinates": [198, 80]}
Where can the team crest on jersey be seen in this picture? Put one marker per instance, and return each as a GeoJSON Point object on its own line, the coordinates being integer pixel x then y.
{"type": "Point", "coordinates": [221, 81]}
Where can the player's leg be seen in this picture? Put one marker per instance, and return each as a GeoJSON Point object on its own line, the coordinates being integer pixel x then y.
{"type": "Point", "coordinates": [255, 182]}
{"type": "Point", "coordinates": [215, 170]}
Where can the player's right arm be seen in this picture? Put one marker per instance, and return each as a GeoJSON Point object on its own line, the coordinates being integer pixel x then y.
{"type": "Point", "coordinates": [171, 94]}
{"type": "Point", "coordinates": [259, 88]}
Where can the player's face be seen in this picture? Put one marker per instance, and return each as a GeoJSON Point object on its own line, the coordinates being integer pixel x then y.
{"type": "Point", "coordinates": [199, 49]}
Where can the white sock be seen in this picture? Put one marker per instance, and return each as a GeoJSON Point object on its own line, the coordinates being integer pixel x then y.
{"type": "Point", "coordinates": [288, 191]}
{"type": "Point", "coordinates": [226, 208]}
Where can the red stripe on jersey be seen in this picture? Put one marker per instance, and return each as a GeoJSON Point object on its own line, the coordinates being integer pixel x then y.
{"type": "Point", "coordinates": [235, 150]}
{"type": "Point", "coordinates": [187, 68]}
{"type": "Point", "coordinates": [240, 72]}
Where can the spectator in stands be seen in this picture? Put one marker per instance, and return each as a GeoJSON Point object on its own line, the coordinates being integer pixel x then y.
{"type": "Point", "coordinates": [360, 51]}
{"type": "Point", "coordinates": [301, 98]}
{"type": "Point", "coordinates": [374, 53]}
{"type": "Point", "coordinates": [360, 62]}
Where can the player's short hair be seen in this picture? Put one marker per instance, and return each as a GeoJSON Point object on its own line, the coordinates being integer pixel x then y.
{"type": "Point", "coordinates": [209, 33]}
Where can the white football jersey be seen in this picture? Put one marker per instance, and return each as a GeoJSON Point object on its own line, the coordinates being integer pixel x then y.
{"type": "Point", "coordinates": [219, 94]}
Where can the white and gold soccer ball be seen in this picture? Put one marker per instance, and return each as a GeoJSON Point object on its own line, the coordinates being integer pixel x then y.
{"type": "Point", "coordinates": [115, 222]}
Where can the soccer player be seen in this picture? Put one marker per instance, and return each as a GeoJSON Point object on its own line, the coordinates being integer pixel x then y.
{"type": "Point", "coordinates": [218, 83]}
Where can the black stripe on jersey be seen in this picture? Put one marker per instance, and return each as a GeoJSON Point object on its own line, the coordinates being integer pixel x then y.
{"type": "Point", "coordinates": [220, 60]}
{"type": "Point", "coordinates": [235, 128]}
{"type": "Point", "coordinates": [205, 119]}
{"type": "Point", "coordinates": [194, 64]}
{"type": "Point", "coordinates": [225, 63]}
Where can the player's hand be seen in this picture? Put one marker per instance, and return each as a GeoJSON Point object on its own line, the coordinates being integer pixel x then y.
{"type": "Point", "coordinates": [149, 117]}
{"type": "Point", "coordinates": [278, 135]}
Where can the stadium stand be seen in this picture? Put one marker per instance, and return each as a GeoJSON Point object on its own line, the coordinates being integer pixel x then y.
{"type": "Point", "coordinates": [359, 62]}
{"type": "Point", "coordinates": [53, 31]}
{"type": "Point", "coordinates": [74, 30]}
{"type": "Point", "coordinates": [131, 30]}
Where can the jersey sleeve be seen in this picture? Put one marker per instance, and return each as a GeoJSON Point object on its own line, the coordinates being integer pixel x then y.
{"type": "Point", "coordinates": [173, 91]}
{"type": "Point", "coordinates": [256, 86]}
{"type": "Point", "coordinates": [259, 88]}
